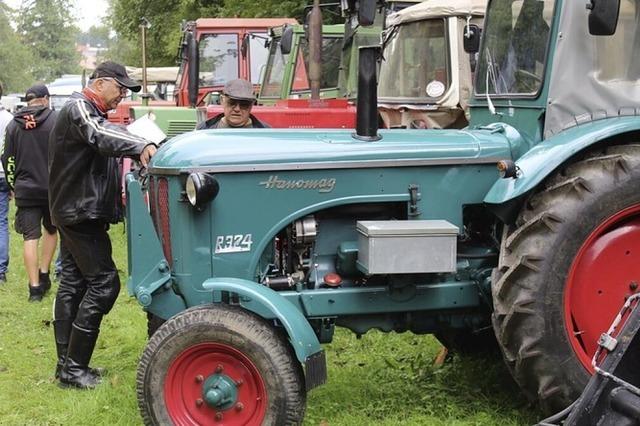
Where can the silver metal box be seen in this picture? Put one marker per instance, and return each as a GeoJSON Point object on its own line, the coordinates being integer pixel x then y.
{"type": "Point", "coordinates": [404, 247]}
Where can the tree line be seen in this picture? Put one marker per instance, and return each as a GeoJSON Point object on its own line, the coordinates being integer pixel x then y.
{"type": "Point", "coordinates": [39, 38]}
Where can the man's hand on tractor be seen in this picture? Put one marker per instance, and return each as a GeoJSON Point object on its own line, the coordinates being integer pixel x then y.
{"type": "Point", "coordinates": [147, 153]}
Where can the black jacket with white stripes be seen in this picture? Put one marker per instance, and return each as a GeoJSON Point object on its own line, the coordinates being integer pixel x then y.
{"type": "Point", "coordinates": [84, 177]}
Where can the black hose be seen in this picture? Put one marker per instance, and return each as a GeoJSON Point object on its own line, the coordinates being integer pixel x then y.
{"type": "Point", "coordinates": [558, 417]}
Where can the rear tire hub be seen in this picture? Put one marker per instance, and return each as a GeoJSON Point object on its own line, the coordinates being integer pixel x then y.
{"type": "Point", "coordinates": [604, 273]}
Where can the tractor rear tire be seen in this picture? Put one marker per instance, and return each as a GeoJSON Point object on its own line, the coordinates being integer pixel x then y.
{"type": "Point", "coordinates": [197, 348]}
{"type": "Point", "coordinates": [564, 271]}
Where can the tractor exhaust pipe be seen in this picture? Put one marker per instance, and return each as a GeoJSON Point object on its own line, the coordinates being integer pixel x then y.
{"type": "Point", "coordinates": [315, 49]}
{"type": "Point", "coordinates": [367, 106]}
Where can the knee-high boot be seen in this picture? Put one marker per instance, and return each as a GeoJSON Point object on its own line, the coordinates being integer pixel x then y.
{"type": "Point", "coordinates": [75, 371]}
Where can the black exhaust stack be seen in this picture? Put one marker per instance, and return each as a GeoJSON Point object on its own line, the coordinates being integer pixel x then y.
{"type": "Point", "coordinates": [367, 113]}
{"type": "Point", "coordinates": [194, 68]}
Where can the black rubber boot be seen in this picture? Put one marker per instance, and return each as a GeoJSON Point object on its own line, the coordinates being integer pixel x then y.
{"type": "Point", "coordinates": [62, 332]}
{"type": "Point", "coordinates": [76, 372]}
{"type": "Point", "coordinates": [36, 293]}
{"type": "Point", "coordinates": [45, 281]}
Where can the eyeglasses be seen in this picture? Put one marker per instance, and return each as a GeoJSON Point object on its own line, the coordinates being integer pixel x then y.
{"type": "Point", "coordinates": [237, 103]}
{"type": "Point", "coordinates": [123, 90]}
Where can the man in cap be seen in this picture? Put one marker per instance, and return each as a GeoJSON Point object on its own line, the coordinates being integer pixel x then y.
{"type": "Point", "coordinates": [237, 101]}
{"type": "Point", "coordinates": [5, 196]}
{"type": "Point", "coordinates": [25, 161]}
{"type": "Point", "coordinates": [84, 197]}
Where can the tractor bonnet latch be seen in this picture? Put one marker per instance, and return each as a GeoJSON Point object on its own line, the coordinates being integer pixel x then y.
{"type": "Point", "coordinates": [414, 197]}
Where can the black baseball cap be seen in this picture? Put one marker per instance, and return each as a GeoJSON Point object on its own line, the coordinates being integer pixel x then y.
{"type": "Point", "coordinates": [116, 71]}
{"type": "Point", "coordinates": [36, 91]}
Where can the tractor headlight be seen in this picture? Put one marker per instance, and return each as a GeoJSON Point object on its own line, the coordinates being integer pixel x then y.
{"type": "Point", "coordinates": [201, 188]}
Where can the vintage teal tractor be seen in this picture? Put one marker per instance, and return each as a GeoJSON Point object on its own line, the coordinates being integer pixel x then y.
{"type": "Point", "coordinates": [256, 244]}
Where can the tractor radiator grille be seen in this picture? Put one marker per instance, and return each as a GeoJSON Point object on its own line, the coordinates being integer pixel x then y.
{"type": "Point", "coordinates": [178, 127]}
{"type": "Point", "coordinates": [160, 213]}
{"type": "Point", "coordinates": [153, 209]}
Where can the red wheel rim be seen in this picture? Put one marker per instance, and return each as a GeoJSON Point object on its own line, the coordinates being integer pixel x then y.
{"type": "Point", "coordinates": [603, 274]}
{"type": "Point", "coordinates": [187, 374]}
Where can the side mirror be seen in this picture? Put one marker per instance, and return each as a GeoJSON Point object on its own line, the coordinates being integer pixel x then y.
{"type": "Point", "coordinates": [471, 39]}
{"type": "Point", "coordinates": [603, 18]}
{"type": "Point", "coordinates": [367, 12]}
{"type": "Point", "coordinates": [286, 40]}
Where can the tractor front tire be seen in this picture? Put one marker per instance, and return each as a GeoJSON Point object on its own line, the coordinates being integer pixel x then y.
{"type": "Point", "coordinates": [565, 270]}
{"type": "Point", "coordinates": [219, 364]}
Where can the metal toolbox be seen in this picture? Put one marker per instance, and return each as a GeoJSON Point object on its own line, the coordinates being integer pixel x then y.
{"type": "Point", "coordinates": [405, 247]}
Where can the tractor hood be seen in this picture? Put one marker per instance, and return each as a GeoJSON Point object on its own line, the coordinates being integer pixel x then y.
{"type": "Point", "coordinates": [239, 150]}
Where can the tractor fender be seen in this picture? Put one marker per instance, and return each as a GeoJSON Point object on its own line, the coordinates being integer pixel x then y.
{"type": "Point", "coordinates": [268, 304]}
{"type": "Point", "coordinates": [547, 156]}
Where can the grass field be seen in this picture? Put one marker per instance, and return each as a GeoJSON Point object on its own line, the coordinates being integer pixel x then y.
{"type": "Point", "coordinates": [380, 379]}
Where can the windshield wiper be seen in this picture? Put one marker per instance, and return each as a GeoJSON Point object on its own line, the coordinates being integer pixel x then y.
{"type": "Point", "coordinates": [491, 74]}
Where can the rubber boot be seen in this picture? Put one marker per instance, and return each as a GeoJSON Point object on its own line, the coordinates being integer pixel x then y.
{"type": "Point", "coordinates": [76, 372]}
{"type": "Point", "coordinates": [45, 281]}
{"type": "Point", "coordinates": [62, 331]}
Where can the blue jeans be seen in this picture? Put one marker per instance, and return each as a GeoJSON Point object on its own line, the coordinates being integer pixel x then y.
{"type": "Point", "coordinates": [4, 228]}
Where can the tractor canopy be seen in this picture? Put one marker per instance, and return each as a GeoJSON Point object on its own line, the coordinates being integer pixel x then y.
{"type": "Point", "coordinates": [595, 77]}
{"type": "Point", "coordinates": [426, 79]}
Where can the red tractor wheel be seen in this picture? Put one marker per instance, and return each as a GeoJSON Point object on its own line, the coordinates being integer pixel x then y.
{"type": "Point", "coordinates": [565, 270]}
{"type": "Point", "coordinates": [219, 365]}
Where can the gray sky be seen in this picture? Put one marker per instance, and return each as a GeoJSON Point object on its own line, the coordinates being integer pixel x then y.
{"type": "Point", "coordinates": [87, 12]}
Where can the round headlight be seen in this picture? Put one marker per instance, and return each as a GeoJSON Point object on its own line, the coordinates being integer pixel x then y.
{"type": "Point", "coordinates": [191, 188]}
{"type": "Point", "coordinates": [201, 188]}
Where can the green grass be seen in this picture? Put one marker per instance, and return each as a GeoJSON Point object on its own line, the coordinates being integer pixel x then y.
{"type": "Point", "coordinates": [381, 379]}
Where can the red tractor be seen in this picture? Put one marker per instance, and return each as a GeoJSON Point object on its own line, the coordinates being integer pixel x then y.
{"type": "Point", "coordinates": [227, 49]}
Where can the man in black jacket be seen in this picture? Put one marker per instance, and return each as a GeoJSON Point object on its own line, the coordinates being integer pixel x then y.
{"type": "Point", "coordinates": [25, 163]}
{"type": "Point", "coordinates": [84, 197]}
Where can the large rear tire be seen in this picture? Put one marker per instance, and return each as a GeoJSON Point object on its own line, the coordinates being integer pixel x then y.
{"type": "Point", "coordinates": [564, 271]}
{"type": "Point", "coordinates": [219, 364]}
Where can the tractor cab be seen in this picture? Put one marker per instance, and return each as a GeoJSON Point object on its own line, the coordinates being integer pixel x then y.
{"type": "Point", "coordinates": [286, 75]}
{"type": "Point", "coordinates": [426, 75]}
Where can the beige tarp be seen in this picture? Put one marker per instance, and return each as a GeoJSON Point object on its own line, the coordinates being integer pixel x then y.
{"type": "Point", "coordinates": [154, 74]}
{"type": "Point", "coordinates": [436, 9]}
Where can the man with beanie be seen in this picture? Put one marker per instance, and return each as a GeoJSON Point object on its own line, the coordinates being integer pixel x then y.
{"type": "Point", "coordinates": [84, 197]}
{"type": "Point", "coordinates": [237, 101]}
{"type": "Point", "coordinates": [25, 161]}
{"type": "Point", "coordinates": [5, 196]}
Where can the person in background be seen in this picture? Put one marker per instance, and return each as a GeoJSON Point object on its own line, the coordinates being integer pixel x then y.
{"type": "Point", "coordinates": [25, 161]}
{"type": "Point", "coordinates": [5, 196]}
{"type": "Point", "coordinates": [84, 198]}
{"type": "Point", "coordinates": [237, 101]}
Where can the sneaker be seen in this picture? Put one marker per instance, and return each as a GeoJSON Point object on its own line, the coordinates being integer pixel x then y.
{"type": "Point", "coordinates": [3, 277]}
{"type": "Point", "coordinates": [36, 293]}
{"type": "Point", "coordinates": [45, 281]}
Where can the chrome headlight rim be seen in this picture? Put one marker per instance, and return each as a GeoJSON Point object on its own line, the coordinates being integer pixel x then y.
{"type": "Point", "coordinates": [200, 189]}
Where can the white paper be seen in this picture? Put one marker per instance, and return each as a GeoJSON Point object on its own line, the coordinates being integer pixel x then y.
{"type": "Point", "coordinates": [146, 127]}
